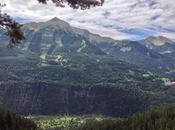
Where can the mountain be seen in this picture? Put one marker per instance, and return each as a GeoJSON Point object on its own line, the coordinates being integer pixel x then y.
{"type": "Point", "coordinates": [163, 46]}
{"type": "Point", "coordinates": [153, 41]}
{"type": "Point", "coordinates": [132, 52]}
{"type": "Point", "coordinates": [57, 70]}
{"type": "Point", "coordinates": [160, 45]}
{"type": "Point", "coordinates": [139, 53]}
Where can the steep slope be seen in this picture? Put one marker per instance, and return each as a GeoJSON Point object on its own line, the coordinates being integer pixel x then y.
{"type": "Point", "coordinates": [58, 71]}
{"type": "Point", "coordinates": [152, 55]}
{"type": "Point", "coordinates": [139, 55]}
{"type": "Point", "coordinates": [160, 45]}
{"type": "Point", "coordinates": [163, 46]}
{"type": "Point", "coordinates": [154, 41]}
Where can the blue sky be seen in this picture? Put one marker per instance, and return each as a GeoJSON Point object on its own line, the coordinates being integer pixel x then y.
{"type": "Point", "coordinates": [119, 19]}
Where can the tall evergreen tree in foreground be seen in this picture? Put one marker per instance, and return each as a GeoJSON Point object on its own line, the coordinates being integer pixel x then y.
{"type": "Point", "coordinates": [11, 28]}
{"type": "Point", "coordinates": [11, 121]}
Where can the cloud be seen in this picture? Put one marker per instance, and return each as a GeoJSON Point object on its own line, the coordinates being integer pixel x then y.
{"type": "Point", "coordinates": [119, 19]}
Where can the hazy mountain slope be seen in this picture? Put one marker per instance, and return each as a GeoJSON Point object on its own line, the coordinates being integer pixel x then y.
{"type": "Point", "coordinates": [163, 46]}
{"type": "Point", "coordinates": [160, 45]}
{"type": "Point", "coordinates": [58, 71]}
{"type": "Point", "coordinates": [157, 59]}
{"type": "Point", "coordinates": [139, 55]}
{"type": "Point", "coordinates": [154, 42]}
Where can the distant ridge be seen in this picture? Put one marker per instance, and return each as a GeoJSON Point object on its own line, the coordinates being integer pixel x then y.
{"type": "Point", "coordinates": [156, 40]}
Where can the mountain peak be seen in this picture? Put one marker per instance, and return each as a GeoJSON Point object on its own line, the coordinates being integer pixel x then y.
{"type": "Point", "coordinates": [55, 19]}
{"type": "Point", "coordinates": [157, 40]}
{"type": "Point", "coordinates": [56, 22]}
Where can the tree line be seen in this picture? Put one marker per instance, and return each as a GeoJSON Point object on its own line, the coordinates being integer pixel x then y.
{"type": "Point", "coordinates": [11, 121]}
{"type": "Point", "coordinates": [157, 119]}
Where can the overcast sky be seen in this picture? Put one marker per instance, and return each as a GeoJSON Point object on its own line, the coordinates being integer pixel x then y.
{"type": "Point", "coordinates": [119, 19]}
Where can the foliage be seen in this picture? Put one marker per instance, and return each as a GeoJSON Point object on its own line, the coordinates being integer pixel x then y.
{"type": "Point", "coordinates": [157, 119]}
{"type": "Point", "coordinates": [11, 28]}
{"type": "Point", "coordinates": [65, 122]}
{"type": "Point", "coordinates": [11, 121]}
{"type": "Point", "coordinates": [58, 122]}
{"type": "Point", "coordinates": [83, 4]}
{"type": "Point", "coordinates": [161, 118]}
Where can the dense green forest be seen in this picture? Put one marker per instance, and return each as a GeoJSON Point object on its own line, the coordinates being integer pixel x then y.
{"type": "Point", "coordinates": [162, 118]}
{"type": "Point", "coordinates": [157, 119]}
{"type": "Point", "coordinates": [11, 121]}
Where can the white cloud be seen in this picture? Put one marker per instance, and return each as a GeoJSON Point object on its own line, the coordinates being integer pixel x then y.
{"type": "Point", "coordinates": [112, 19]}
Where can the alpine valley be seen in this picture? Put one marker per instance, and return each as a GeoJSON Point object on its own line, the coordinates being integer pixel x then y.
{"type": "Point", "coordinates": [60, 69]}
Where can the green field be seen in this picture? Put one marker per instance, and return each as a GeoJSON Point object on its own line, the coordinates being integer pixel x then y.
{"type": "Point", "coordinates": [63, 122]}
